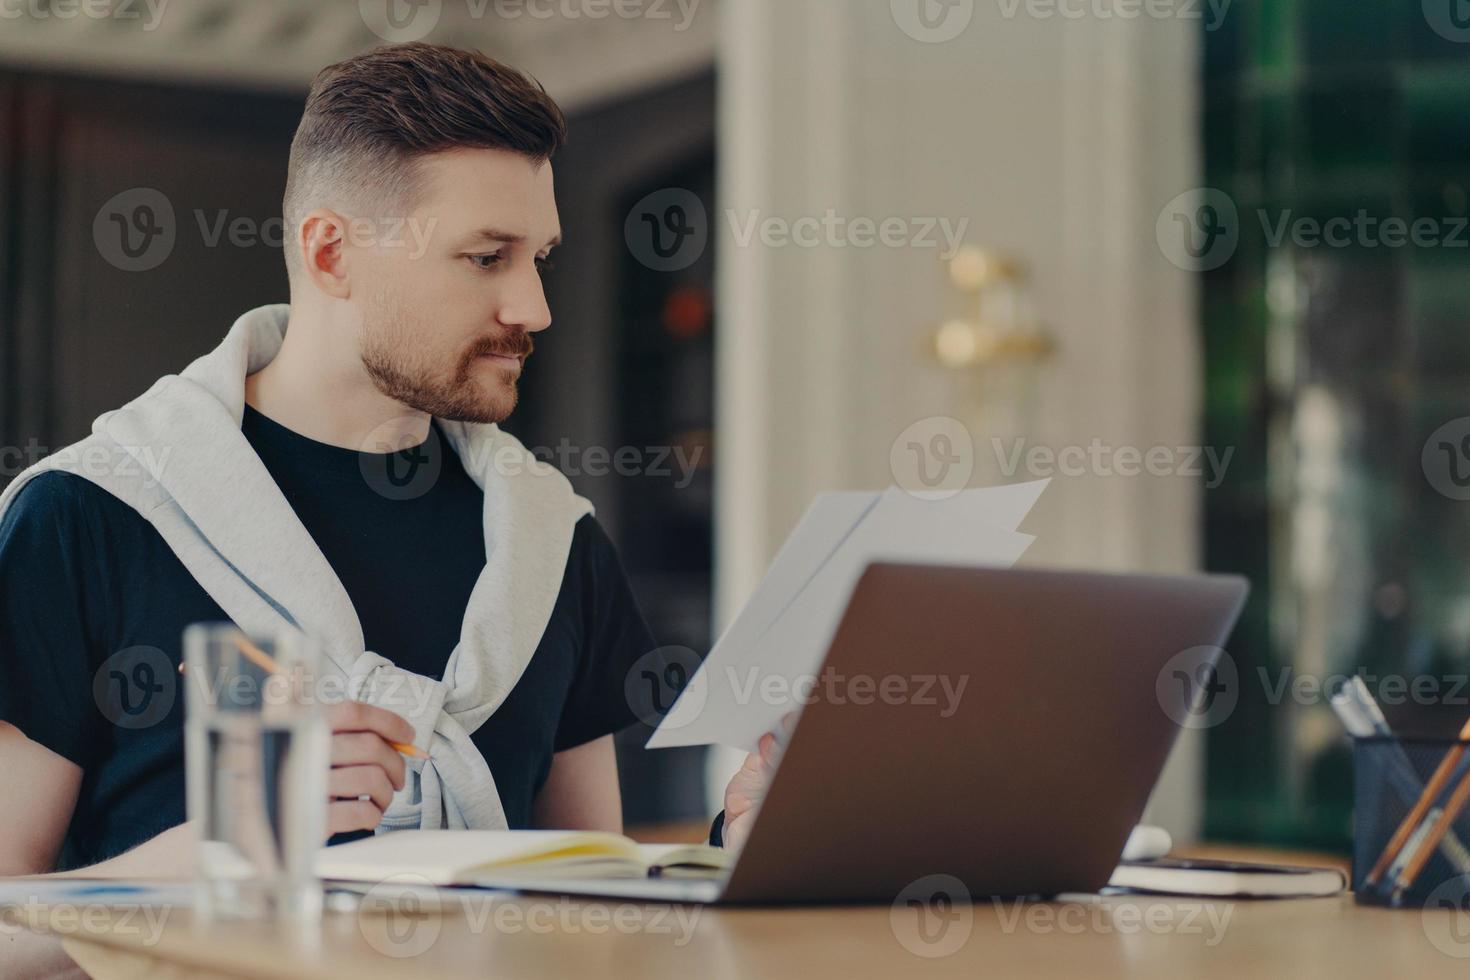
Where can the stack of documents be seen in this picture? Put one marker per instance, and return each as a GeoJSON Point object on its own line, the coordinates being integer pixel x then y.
{"type": "Point", "coordinates": [780, 638]}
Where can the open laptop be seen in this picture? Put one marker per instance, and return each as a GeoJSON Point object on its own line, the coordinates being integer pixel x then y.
{"type": "Point", "coordinates": [1027, 783]}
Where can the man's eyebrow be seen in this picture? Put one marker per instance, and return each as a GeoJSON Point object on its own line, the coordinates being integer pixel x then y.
{"type": "Point", "coordinates": [507, 237]}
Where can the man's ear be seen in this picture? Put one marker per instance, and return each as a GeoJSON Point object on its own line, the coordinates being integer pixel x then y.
{"type": "Point", "coordinates": [319, 240]}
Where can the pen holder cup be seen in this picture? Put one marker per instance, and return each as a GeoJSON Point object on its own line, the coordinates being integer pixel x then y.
{"type": "Point", "coordinates": [1390, 776]}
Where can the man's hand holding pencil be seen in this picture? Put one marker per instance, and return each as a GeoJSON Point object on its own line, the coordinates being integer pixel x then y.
{"type": "Point", "coordinates": [367, 764]}
{"type": "Point", "coordinates": [368, 746]}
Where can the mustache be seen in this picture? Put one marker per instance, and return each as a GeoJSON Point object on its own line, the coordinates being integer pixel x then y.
{"type": "Point", "coordinates": [517, 344]}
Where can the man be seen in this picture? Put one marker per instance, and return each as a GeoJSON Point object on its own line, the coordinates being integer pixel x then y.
{"type": "Point", "coordinates": [479, 610]}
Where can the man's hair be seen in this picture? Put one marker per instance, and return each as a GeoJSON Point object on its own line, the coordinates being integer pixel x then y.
{"type": "Point", "coordinates": [368, 119]}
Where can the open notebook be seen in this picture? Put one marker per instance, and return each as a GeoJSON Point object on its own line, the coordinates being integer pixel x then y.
{"type": "Point", "coordinates": [466, 857]}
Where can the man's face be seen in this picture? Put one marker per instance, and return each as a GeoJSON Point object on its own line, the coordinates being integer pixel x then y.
{"type": "Point", "coordinates": [452, 299]}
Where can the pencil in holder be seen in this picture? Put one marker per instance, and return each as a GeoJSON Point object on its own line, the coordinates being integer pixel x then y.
{"type": "Point", "coordinates": [1411, 816]}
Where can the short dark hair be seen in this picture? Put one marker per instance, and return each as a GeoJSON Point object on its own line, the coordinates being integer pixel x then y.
{"type": "Point", "coordinates": [370, 117]}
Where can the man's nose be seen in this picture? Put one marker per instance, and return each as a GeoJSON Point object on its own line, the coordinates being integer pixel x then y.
{"type": "Point", "coordinates": [524, 306]}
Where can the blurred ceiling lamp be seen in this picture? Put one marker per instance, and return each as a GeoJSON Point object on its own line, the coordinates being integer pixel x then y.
{"type": "Point", "coordinates": [282, 44]}
{"type": "Point", "coordinates": [1000, 328]}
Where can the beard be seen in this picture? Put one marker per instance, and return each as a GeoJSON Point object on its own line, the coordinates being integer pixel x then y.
{"type": "Point", "coordinates": [471, 390]}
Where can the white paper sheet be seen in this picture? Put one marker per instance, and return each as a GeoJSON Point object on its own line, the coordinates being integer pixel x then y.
{"type": "Point", "coordinates": [782, 634]}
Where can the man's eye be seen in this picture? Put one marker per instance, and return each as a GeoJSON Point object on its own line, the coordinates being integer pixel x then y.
{"type": "Point", "coordinates": [485, 262]}
{"type": "Point", "coordinates": [545, 265]}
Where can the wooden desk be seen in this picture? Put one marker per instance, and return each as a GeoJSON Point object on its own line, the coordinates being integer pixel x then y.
{"type": "Point", "coordinates": [511, 937]}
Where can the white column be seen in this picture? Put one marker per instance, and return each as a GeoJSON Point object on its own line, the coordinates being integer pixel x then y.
{"type": "Point", "coordinates": [1056, 140]}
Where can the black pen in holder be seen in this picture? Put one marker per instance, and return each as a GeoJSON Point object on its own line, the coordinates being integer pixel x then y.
{"type": "Point", "coordinates": [1411, 821]}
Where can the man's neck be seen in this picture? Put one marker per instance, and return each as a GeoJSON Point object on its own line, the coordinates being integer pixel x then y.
{"type": "Point", "coordinates": [315, 392]}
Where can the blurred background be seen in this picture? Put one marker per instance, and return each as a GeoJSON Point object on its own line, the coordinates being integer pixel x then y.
{"type": "Point", "coordinates": [1203, 263]}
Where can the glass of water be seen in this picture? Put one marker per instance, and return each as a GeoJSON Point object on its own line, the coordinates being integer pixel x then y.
{"type": "Point", "coordinates": [256, 756]}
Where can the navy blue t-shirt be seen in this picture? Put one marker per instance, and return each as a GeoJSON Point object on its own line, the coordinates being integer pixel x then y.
{"type": "Point", "coordinates": [93, 604]}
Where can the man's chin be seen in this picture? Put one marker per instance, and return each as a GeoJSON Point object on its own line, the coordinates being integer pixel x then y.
{"type": "Point", "coordinates": [483, 417]}
{"type": "Point", "coordinates": [481, 406]}
{"type": "Point", "coordinates": [478, 394]}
